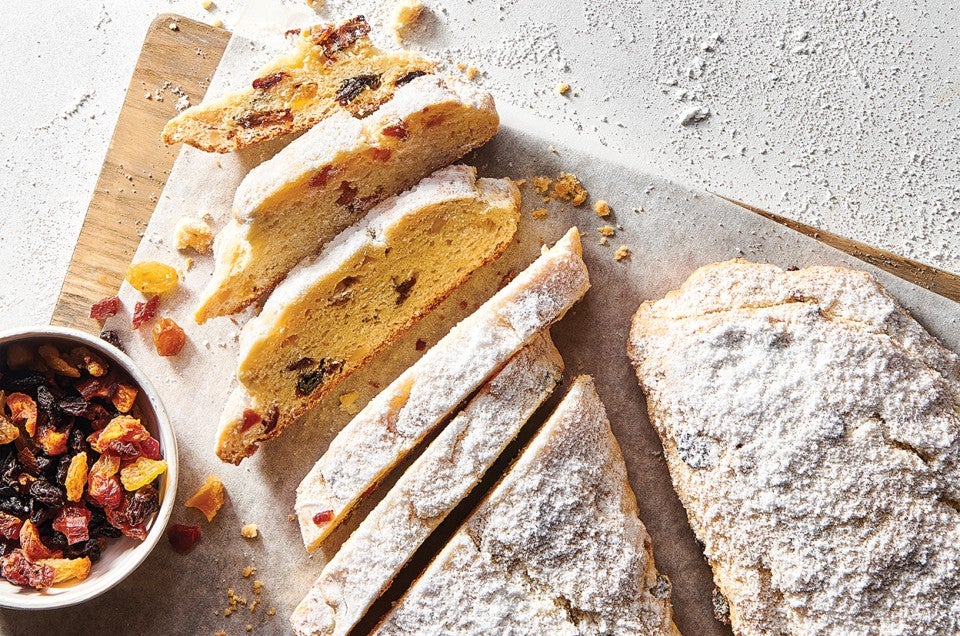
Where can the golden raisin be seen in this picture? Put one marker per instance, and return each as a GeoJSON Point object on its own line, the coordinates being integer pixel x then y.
{"type": "Point", "coordinates": [208, 498]}
{"type": "Point", "coordinates": [66, 569]}
{"type": "Point", "coordinates": [124, 398]}
{"type": "Point", "coordinates": [168, 337]}
{"type": "Point", "coordinates": [141, 472]}
{"type": "Point", "coordinates": [76, 476]}
{"type": "Point", "coordinates": [150, 277]}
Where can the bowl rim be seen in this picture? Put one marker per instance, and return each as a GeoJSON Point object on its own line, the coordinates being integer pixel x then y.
{"type": "Point", "coordinates": [81, 592]}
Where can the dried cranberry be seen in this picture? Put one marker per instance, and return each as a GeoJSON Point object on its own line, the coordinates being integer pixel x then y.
{"type": "Point", "coordinates": [105, 491]}
{"type": "Point", "coordinates": [323, 517]}
{"type": "Point", "coordinates": [336, 38]}
{"type": "Point", "coordinates": [103, 309]}
{"type": "Point", "coordinates": [74, 522]}
{"type": "Point", "coordinates": [18, 569]}
{"type": "Point", "coordinates": [397, 130]}
{"type": "Point", "coordinates": [145, 312]}
{"type": "Point", "coordinates": [150, 448]}
{"type": "Point", "coordinates": [183, 537]}
{"type": "Point", "coordinates": [322, 176]}
{"type": "Point", "coordinates": [109, 335]}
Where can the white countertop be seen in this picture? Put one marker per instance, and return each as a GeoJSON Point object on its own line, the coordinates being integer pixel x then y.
{"type": "Point", "coordinates": [841, 115]}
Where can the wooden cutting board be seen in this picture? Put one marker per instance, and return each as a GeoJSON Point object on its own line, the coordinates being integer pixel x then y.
{"type": "Point", "coordinates": [179, 56]}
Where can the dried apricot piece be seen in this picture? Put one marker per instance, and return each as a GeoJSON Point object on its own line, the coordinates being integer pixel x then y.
{"type": "Point", "coordinates": [122, 428]}
{"type": "Point", "coordinates": [76, 476]}
{"type": "Point", "coordinates": [141, 472]}
{"type": "Point", "coordinates": [168, 337]}
{"type": "Point", "coordinates": [23, 411]}
{"type": "Point", "coordinates": [150, 277]}
{"type": "Point", "coordinates": [67, 569]}
{"type": "Point", "coordinates": [52, 441]}
{"type": "Point", "coordinates": [208, 499]}
{"type": "Point", "coordinates": [124, 397]}
{"type": "Point", "coordinates": [32, 545]}
{"type": "Point", "coordinates": [144, 312]}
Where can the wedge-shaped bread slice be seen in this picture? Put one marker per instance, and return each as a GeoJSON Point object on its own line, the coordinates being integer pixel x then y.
{"type": "Point", "coordinates": [368, 286]}
{"type": "Point", "coordinates": [416, 402]}
{"type": "Point", "coordinates": [287, 208]}
{"type": "Point", "coordinates": [426, 493]}
{"type": "Point", "coordinates": [333, 69]}
{"type": "Point", "coordinates": [556, 548]}
{"type": "Point", "coordinates": [812, 431]}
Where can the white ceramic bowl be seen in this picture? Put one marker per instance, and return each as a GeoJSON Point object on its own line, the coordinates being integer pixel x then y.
{"type": "Point", "coordinates": [120, 556]}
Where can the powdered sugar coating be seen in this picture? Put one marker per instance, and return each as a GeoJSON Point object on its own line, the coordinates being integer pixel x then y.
{"type": "Point", "coordinates": [402, 414]}
{"type": "Point", "coordinates": [440, 478]}
{"type": "Point", "coordinates": [556, 548]}
{"type": "Point", "coordinates": [812, 430]}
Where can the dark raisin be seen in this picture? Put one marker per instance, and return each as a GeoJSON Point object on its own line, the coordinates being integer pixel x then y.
{"type": "Point", "coordinates": [63, 465]}
{"type": "Point", "coordinates": [109, 335]}
{"type": "Point", "coordinates": [6, 547]}
{"type": "Point", "coordinates": [77, 441]}
{"type": "Point", "coordinates": [46, 402]}
{"type": "Point", "coordinates": [76, 406]}
{"type": "Point", "coordinates": [336, 38]}
{"type": "Point", "coordinates": [29, 461]}
{"type": "Point", "coordinates": [55, 539]}
{"type": "Point", "coordinates": [15, 505]}
{"type": "Point", "coordinates": [43, 463]}
{"type": "Point", "coordinates": [308, 381]}
{"type": "Point", "coordinates": [403, 288]}
{"type": "Point", "coordinates": [300, 364]}
{"type": "Point", "coordinates": [265, 118]}
{"type": "Point", "coordinates": [47, 493]}
{"type": "Point", "coordinates": [268, 81]}
{"type": "Point", "coordinates": [351, 88]}
{"type": "Point", "coordinates": [408, 77]}
{"type": "Point", "coordinates": [24, 381]}
{"type": "Point", "coordinates": [40, 514]}
{"type": "Point", "coordinates": [144, 503]}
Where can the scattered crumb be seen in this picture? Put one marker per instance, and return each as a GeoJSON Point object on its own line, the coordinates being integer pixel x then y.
{"type": "Point", "coordinates": [603, 240]}
{"type": "Point", "coordinates": [420, 344]}
{"type": "Point", "coordinates": [606, 230]}
{"type": "Point", "coordinates": [470, 72]}
{"type": "Point", "coordinates": [249, 627]}
{"type": "Point", "coordinates": [541, 184]}
{"type": "Point", "coordinates": [563, 88]}
{"type": "Point", "coordinates": [568, 188]}
{"type": "Point", "coordinates": [248, 571]}
{"type": "Point", "coordinates": [519, 182]}
{"type": "Point", "coordinates": [217, 24]}
{"type": "Point", "coordinates": [622, 252]}
{"type": "Point", "coordinates": [694, 116]}
{"type": "Point", "coordinates": [194, 234]}
{"type": "Point", "coordinates": [638, 209]}
{"type": "Point", "coordinates": [221, 633]}
{"type": "Point", "coordinates": [291, 517]}
{"type": "Point", "coordinates": [206, 5]}
{"type": "Point", "coordinates": [208, 499]}
{"type": "Point", "coordinates": [173, 26]}
{"type": "Point", "coordinates": [348, 403]}
{"type": "Point", "coordinates": [316, 4]}
{"type": "Point", "coordinates": [253, 605]}
{"type": "Point", "coordinates": [539, 213]}
{"type": "Point", "coordinates": [405, 14]}
{"type": "Point", "coordinates": [272, 611]}
{"type": "Point", "coordinates": [187, 264]}
{"type": "Point", "coordinates": [257, 587]}
{"type": "Point", "coordinates": [601, 207]}
{"type": "Point", "coordinates": [249, 531]}
{"type": "Point", "coordinates": [552, 149]}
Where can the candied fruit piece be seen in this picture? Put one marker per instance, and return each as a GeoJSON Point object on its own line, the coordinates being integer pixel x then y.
{"type": "Point", "coordinates": [122, 428]}
{"type": "Point", "coordinates": [183, 537]}
{"type": "Point", "coordinates": [150, 277]}
{"type": "Point", "coordinates": [323, 517]}
{"type": "Point", "coordinates": [32, 546]}
{"type": "Point", "coordinates": [23, 410]}
{"type": "Point", "coordinates": [73, 521]}
{"type": "Point", "coordinates": [124, 397]}
{"type": "Point", "coordinates": [144, 312]}
{"type": "Point", "coordinates": [76, 476]}
{"type": "Point", "coordinates": [106, 308]}
{"type": "Point", "coordinates": [94, 364]}
{"type": "Point", "coordinates": [150, 448]}
{"type": "Point", "coordinates": [66, 569]}
{"type": "Point", "coordinates": [52, 441]}
{"type": "Point", "coordinates": [54, 359]}
{"type": "Point", "coordinates": [168, 337]}
{"type": "Point", "coordinates": [141, 472]}
{"type": "Point", "coordinates": [103, 387]}
{"type": "Point", "coordinates": [10, 526]}
{"type": "Point", "coordinates": [208, 499]}
{"type": "Point", "coordinates": [103, 484]}
{"type": "Point", "coordinates": [17, 568]}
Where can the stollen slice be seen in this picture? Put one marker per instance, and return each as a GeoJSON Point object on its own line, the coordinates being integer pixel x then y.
{"type": "Point", "coordinates": [288, 207]}
{"type": "Point", "coordinates": [334, 68]}
{"type": "Point", "coordinates": [414, 404]}
{"type": "Point", "coordinates": [373, 282]}
{"type": "Point", "coordinates": [556, 548]}
{"type": "Point", "coordinates": [434, 484]}
{"type": "Point", "coordinates": [812, 432]}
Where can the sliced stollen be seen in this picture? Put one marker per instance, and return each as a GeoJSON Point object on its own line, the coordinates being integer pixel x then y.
{"type": "Point", "coordinates": [414, 404]}
{"type": "Point", "coordinates": [368, 286]}
{"type": "Point", "coordinates": [812, 431]}
{"type": "Point", "coordinates": [288, 207]}
{"type": "Point", "coordinates": [437, 481]}
{"type": "Point", "coordinates": [556, 548]}
{"type": "Point", "coordinates": [334, 68]}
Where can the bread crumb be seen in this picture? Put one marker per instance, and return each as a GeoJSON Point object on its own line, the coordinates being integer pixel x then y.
{"type": "Point", "coordinates": [248, 571]}
{"type": "Point", "coordinates": [541, 184]}
{"type": "Point", "coordinates": [316, 4]}
{"type": "Point", "coordinates": [405, 13]}
{"type": "Point", "coordinates": [519, 182]}
{"type": "Point", "coordinates": [257, 587]}
{"type": "Point", "coordinates": [272, 611]}
{"type": "Point", "coordinates": [603, 240]}
{"type": "Point", "coordinates": [221, 633]}
{"type": "Point", "coordinates": [193, 234]}
{"type": "Point", "coordinates": [249, 531]}
{"type": "Point", "coordinates": [348, 403]}
{"type": "Point", "coordinates": [622, 252]}
{"type": "Point", "coordinates": [606, 230]}
{"type": "Point", "coordinates": [217, 24]}
{"type": "Point", "coordinates": [249, 627]}
{"type": "Point", "coordinates": [206, 5]}
{"type": "Point", "coordinates": [563, 88]}
{"type": "Point", "coordinates": [471, 73]}
{"type": "Point", "coordinates": [568, 188]}
{"type": "Point", "coordinates": [291, 517]}
{"type": "Point", "coordinates": [539, 213]}
{"type": "Point", "coordinates": [208, 499]}
{"type": "Point", "coordinates": [187, 264]}
{"type": "Point", "coordinates": [601, 207]}
{"type": "Point", "coordinates": [173, 26]}
{"type": "Point", "coordinates": [253, 605]}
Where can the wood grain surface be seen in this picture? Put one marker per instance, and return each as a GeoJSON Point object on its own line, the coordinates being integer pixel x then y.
{"type": "Point", "coordinates": [137, 164]}
{"type": "Point", "coordinates": [173, 61]}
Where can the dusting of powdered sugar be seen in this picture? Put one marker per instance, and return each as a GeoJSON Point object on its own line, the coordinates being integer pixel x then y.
{"type": "Point", "coordinates": [812, 430]}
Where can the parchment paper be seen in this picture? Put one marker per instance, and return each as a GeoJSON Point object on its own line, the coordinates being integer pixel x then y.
{"type": "Point", "coordinates": [670, 231]}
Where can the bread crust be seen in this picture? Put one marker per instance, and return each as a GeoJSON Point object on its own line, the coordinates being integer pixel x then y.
{"type": "Point", "coordinates": [812, 431]}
